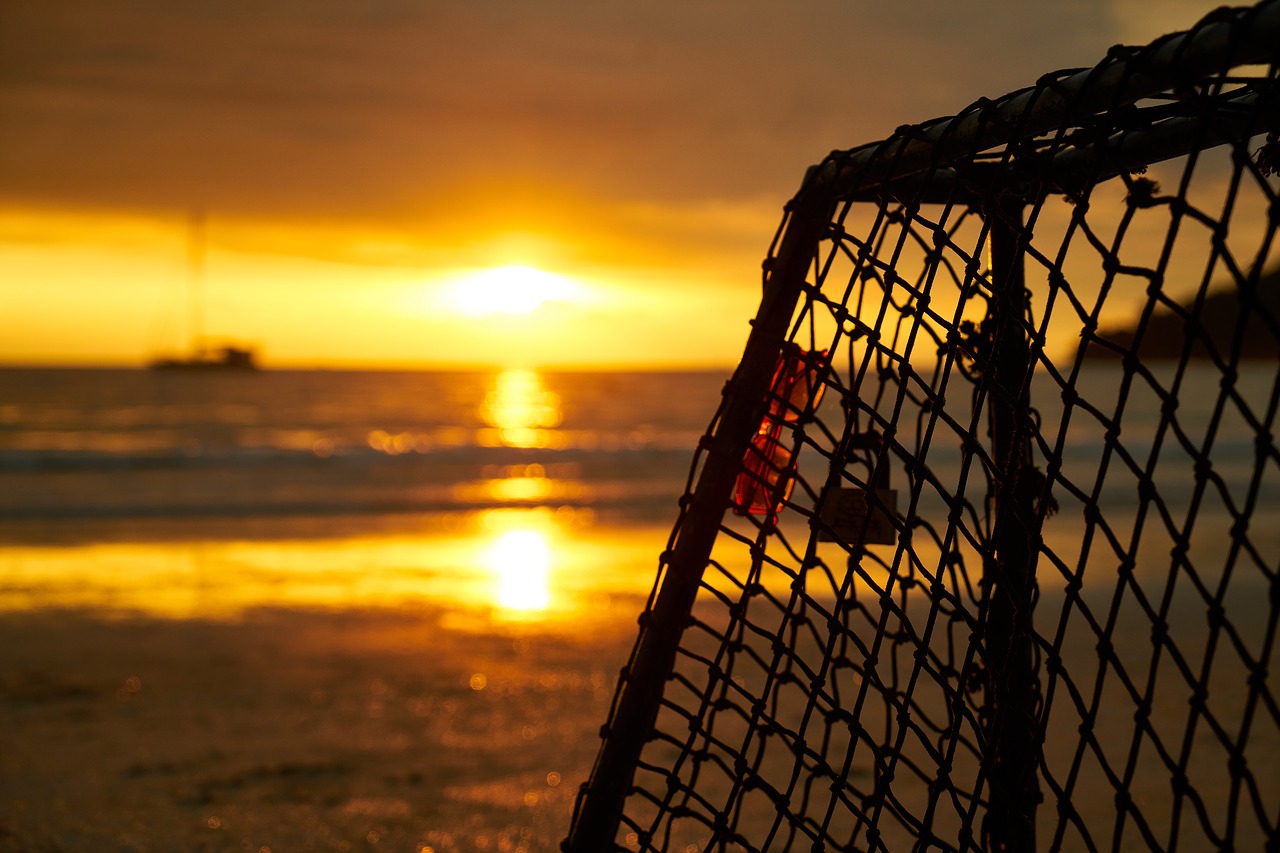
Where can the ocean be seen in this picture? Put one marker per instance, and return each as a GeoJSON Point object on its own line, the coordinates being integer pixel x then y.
{"type": "Point", "coordinates": [344, 610]}
{"type": "Point", "coordinates": [169, 444]}
{"type": "Point", "coordinates": [120, 465]}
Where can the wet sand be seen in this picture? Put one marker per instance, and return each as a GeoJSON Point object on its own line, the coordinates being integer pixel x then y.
{"type": "Point", "coordinates": [377, 691]}
{"type": "Point", "coordinates": [295, 729]}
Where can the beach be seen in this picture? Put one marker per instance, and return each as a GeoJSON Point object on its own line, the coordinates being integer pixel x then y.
{"type": "Point", "coordinates": [356, 692]}
{"type": "Point", "coordinates": [321, 611]}
{"type": "Point", "coordinates": [289, 729]}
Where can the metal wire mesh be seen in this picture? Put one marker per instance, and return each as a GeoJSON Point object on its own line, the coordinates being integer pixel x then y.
{"type": "Point", "coordinates": [982, 549]}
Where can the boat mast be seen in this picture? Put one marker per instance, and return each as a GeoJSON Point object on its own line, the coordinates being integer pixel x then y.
{"type": "Point", "coordinates": [195, 278]}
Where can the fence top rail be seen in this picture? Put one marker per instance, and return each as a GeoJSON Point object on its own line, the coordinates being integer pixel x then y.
{"type": "Point", "coordinates": [1226, 38]}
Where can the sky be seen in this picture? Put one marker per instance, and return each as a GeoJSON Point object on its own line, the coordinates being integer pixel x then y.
{"type": "Point", "coordinates": [409, 183]}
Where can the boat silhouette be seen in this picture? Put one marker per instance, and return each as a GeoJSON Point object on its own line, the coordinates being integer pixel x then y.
{"type": "Point", "coordinates": [209, 358]}
{"type": "Point", "coordinates": [201, 355]}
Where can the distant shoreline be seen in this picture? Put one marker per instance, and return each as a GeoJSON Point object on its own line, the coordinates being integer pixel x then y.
{"type": "Point", "coordinates": [1216, 324]}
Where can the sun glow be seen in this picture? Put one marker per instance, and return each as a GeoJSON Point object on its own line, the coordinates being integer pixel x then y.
{"type": "Point", "coordinates": [510, 290]}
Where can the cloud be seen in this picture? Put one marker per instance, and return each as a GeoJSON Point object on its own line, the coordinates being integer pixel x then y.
{"type": "Point", "coordinates": [323, 108]}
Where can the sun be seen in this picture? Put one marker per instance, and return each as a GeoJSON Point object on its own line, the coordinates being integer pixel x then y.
{"type": "Point", "coordinates": [509, 290]}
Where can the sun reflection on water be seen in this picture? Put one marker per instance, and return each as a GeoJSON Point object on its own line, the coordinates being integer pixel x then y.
{"type": "Point", "coordinates": [520, 411]}
{"type": "Point", "coordinates": [510, 564]}
{"type": "Point", "coordinates": [521, 490]}
{"type": "Point", "coordinates": [520, 560]}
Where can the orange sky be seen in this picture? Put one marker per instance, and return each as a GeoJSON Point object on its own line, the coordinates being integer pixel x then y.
{"type": "Point", "coordinates": [360, 162]}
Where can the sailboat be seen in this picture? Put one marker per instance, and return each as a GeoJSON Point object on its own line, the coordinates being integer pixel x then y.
{"type": "Point", "coordinates": [200, 355]}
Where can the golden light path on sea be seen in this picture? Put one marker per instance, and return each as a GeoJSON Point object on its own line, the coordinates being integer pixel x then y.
{"type": "Point", "coordinates": [504, 565]}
